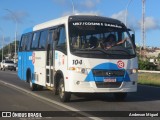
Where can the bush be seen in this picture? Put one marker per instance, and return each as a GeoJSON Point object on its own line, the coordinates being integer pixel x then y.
{"type": "Point", "coordinates": [146, 65]}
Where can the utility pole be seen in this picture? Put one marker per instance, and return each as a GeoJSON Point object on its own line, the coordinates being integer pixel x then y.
{"type": "Point", "coordinates": [143, 32]}
{"type": "Point", "coordinates": [16, 21]}
{"type": "Point", "coordinates": [126, 12]}
{"type": "Point", "coordinates": [73, 8]}
{"type": "Point", "coordinates": [143, 25]}
{"type": "Point", "coordinates": [2, 43]}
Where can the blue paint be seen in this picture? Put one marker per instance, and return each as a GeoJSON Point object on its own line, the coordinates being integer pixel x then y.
{"type": "Point", "coordinates": [56, 55]}
{"type": "Point", "coordinates": [107, 66]}
{"type": "Point", "coordinates": [25, 63]}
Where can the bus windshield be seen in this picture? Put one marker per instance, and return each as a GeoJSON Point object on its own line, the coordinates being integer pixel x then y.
{"type": "Point", "coordinates": [97, 39]}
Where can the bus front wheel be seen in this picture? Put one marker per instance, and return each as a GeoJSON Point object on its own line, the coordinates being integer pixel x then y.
{"type": "Point", "coordinates": [120, 96]}
{"type": "Point", "coordinates": [63, 95]}
{"type": "Point", "coordinates": [32, 85]}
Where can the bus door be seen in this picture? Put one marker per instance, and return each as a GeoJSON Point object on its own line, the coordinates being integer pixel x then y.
{"type": "Point", "coordinates": [50, 59]}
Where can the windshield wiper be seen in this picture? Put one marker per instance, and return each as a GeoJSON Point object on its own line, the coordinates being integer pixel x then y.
{"type": "Point", "coordinates": [95, 49]}
{"type": "Point", "coordinates": [122, 51]}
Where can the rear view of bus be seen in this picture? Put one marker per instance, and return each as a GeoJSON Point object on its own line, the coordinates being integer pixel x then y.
{"type": "Point", "coordinates": [79, 54]}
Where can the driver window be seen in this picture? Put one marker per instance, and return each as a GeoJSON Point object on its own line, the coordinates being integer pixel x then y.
{"type": "Point", "coordinates": [62, 45]}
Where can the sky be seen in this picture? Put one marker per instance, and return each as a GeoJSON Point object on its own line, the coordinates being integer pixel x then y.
{"type": "Point", "coordinates": [31, 12]}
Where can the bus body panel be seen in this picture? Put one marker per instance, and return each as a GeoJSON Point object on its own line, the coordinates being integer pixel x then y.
{"type": "Point", "coordinates": [20, 65]}
{"type": "Point", "coordinates": [61, 64]}
{"type": "Point", "coordinates": [80, 74]}
{"type": "Point", "coordinates": [81, 82]}
{"type": "Point", "coordinates": [39, 63]}
{"type": "Point", "coordinates": [24, 63]}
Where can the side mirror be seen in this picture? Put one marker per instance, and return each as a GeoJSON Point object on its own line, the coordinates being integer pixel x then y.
{"type": "Point", "coordinates": [132, 33]}
{"type": "Point", "coordinates": [133, 40]}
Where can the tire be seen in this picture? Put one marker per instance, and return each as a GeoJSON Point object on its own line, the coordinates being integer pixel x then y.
{"type": "Point", "coordinates": [55, 91]}
{"type": "Point", "coordinates": [63, 95]}
{"type": "Point", "coordinates": [39, 87]}
{"type": "Point", "coordinates": [32, 85]}
{"type": "Point", "coordinates": [120, 96]}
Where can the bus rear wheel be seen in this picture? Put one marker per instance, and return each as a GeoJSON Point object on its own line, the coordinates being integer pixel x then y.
{"type": "Point", "coordinates": [63, 95]}
{"type": "Point", "coordinates": [120, 96]}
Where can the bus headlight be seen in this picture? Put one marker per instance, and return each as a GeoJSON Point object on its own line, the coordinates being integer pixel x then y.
{"type": "Point", "coordinates": [132, 71]}
{"type": "Point", "coordinates": [79, 70]}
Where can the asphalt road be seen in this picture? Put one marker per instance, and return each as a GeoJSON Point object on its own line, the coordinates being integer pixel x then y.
{"type": "Point", "coordinates": [20, 98]}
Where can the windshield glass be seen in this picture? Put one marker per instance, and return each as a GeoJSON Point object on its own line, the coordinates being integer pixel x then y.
{"type": "Point", "coordinates": [96, 39]}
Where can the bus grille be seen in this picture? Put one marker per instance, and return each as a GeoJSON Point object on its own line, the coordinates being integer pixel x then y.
{"type": "Point", "coordinates": [108, 73]}
{"type": "Point", "coordinates": [108, 84]}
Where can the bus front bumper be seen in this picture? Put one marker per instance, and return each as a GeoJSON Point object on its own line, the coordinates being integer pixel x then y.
{"type": "Point", "coordinates": [93, 87]}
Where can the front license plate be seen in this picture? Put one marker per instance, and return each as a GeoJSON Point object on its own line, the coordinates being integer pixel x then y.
{"type": "Point", "coordinates": [109, 79]}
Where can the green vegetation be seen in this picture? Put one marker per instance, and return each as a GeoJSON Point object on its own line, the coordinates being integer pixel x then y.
{"type": "Point", "coordinates": [9, 49]}
{"type": "Point", "coordinates": [146, 65]}
{"type": "Point", "coordinates": [152, 79]}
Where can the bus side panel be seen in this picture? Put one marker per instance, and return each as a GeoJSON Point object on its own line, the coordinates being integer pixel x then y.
{"type": "Point", "coordinates": [20, 65]}
{"type": "Point", "coordinates": [61, 62]}
{"type": "Point", "coordinates": [24, 64]}
{"type": "Point", "coordinates": [40, 67]}
{"type": "Point", "coordinates": [29, 63]}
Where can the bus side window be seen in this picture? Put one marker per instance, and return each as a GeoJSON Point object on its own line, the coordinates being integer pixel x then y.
{"type": "Point", "coordinates": [35, 40]}
{"type": "Point", "coordinates": [62, 45]}
{"type": "Point", "coordinates": [43, 39]}
{"type": "Point", "coordinates": [29, 40]}
{"type": "Point", "coordinates": [23, 43]}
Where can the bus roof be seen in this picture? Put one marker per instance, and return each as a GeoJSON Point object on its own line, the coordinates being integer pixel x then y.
{"type": "Point", "coordinates": [95, 18]}
{"type": "Point", "coordinates": [65, 19]}
{"type": "Point", "coordinates": [47, 24]}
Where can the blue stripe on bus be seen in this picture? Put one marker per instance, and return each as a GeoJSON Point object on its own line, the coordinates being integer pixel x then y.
{"type": "Point", "coordinates": [107, 66]}
{"type": "Point", "coordinates": [24, 63]}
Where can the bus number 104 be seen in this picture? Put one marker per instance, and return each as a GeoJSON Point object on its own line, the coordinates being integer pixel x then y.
{"type": "Point", "coordinates": [76, 62]}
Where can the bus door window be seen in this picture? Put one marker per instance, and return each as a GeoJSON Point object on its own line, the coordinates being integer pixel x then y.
{"type": "Point", "coordinates": [50, 55]}
{"type": "Point", "coordinates": [50, 49]}
{"type": "Point", "coordinates": [43, 39]}
{"type": "Point", "coordinates": [62, 45]}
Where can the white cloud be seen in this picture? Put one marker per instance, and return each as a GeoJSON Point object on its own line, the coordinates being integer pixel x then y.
{"type": "Point", "coordinates": [18, 15]}
{"type": "Point", "coordinates": [120, 15]}
{"type": "Point", "coordinates": [83, 13]}
{"type": "Point", "coordinates": [151, 23]}
{"type": "Point", "coordinates": [89, 3]}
